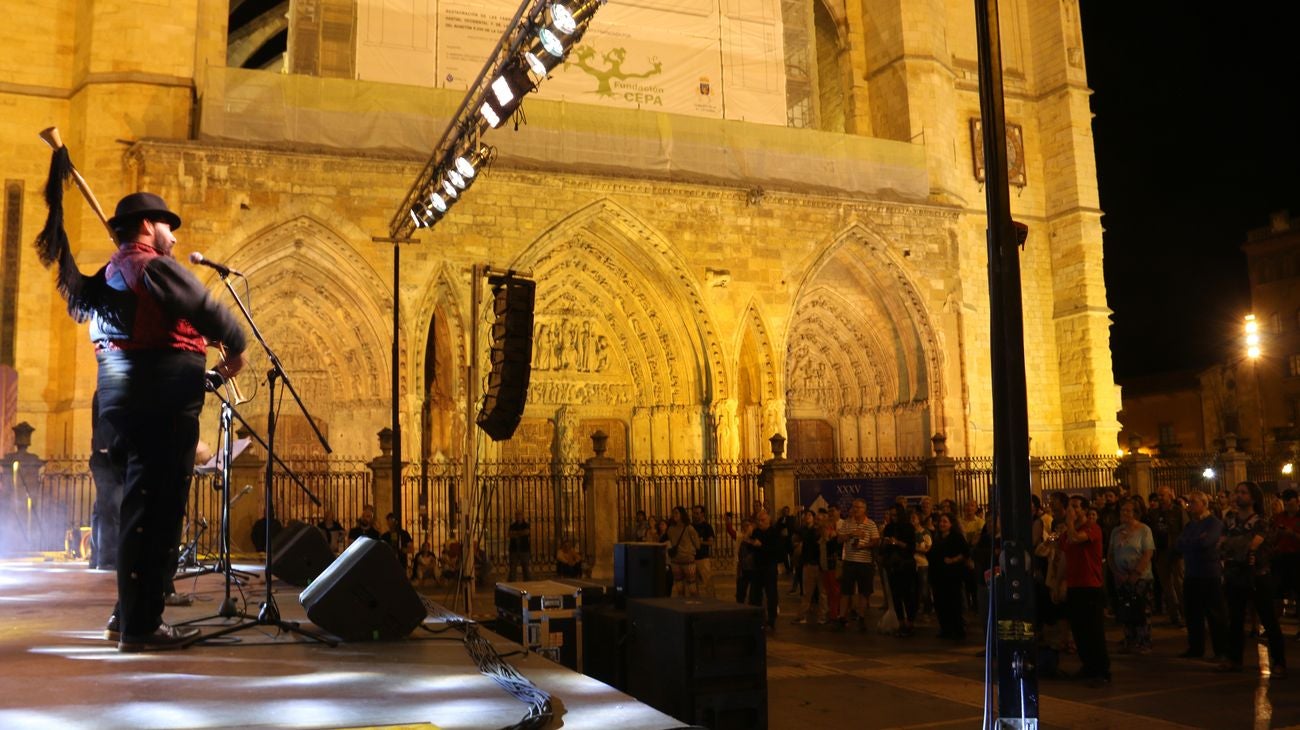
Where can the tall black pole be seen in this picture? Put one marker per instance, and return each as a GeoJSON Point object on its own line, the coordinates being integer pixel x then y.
{"type": "Point", "coordinates": [397, 387]}
{"type": "Point", "coordinates": [1013, 589]}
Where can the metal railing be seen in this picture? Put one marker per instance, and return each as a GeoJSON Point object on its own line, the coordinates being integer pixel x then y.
{"type": "Point", "coordinates": [1187, 473]}
{"type": "Point", "coordinates": [1077, 474]}
{"type": "Point", "coordinates": [725, 489]}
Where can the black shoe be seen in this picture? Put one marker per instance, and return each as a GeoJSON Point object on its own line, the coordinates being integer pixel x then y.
{"type": "Point", "coordinates": [113, 631]}
{"type": "Point", "coordinates": [164, 638]}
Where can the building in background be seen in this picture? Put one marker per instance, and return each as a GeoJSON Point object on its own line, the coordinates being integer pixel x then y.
{"type": "Point", "coordinates": [744, 219]}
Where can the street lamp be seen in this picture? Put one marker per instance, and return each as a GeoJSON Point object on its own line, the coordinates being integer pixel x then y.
{"type": "Point", "coordinates": [1253, 352]}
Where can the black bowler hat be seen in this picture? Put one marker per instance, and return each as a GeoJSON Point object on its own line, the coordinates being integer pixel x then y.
{"type": "Point", "coordinates": [144, 205]}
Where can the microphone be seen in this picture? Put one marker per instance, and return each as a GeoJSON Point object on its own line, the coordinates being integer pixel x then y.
{"type": "Point", "coordinates": [247, 488]}
{"type": "Point", "coordinates": [197, 259]}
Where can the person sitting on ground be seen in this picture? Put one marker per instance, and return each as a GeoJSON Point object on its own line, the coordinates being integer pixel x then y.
{"type": "Point", "coordinates": [399, 540]}
{"type": "Point", "coordinates": [568, 561]}
{"type": "Point", "coordinates": [426, 564]}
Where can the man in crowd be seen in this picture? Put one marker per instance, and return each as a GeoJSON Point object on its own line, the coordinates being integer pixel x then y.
{"type": "Point", "coordinates": [399, 540]}
{"type": "Point", "coordinates": [1085, 603]}
{"type": "Point", "coordinates": [858, 536]}
{"type": "Point", "coordinates": [1203, 581]}
{"type": "Point", "coordinates": [1247, 578]}
{"type": "Point", "coordinates": [971, 525]}
{"type": "Point", "coordinates": [1166, 523]}
{"type": "Point", "coordinates": [365, 526]}
{"type": "Point", "coordinates": [520, 547]}
{"type": "Point", "coordinates": [1286, 552]}
{"type": "Point", "coordinates": [703, 566]}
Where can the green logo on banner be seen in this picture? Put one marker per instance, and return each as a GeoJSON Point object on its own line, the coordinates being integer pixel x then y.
{"type": "Point", "coordinates": [612, 81]}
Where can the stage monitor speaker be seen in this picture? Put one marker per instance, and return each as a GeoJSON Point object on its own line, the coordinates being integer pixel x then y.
{"type": "Point", "coordinates": [700, 660]}
{"type": "Point", "coordinates": [640, 570]}
{"type": "Point", "coordinates": [364, 595]}
{"type": "Point", "coordinates": [299, 553]}
{"type": "Point", "coordinates": [511, 357]}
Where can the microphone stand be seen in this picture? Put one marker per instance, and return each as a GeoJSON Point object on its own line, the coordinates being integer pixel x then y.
{"type": "Point", "coordinates": [268, 613]}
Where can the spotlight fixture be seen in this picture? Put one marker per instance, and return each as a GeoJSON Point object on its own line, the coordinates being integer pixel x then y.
{"type": "Point", "coordinates": [506, 93]}
{"type": "Point", "coordinates": [450, 189]}
{"type": "Point", "coordinates": [535, 64]}
{"type": "Point", "coordinates": [550, 43]}
{"type": "Point", "coordinates": [468, 164]}
{"type": "Point", "coordinates": [437, 203]}
{"type": "Point", "coordinates": [561, 19]}
{"type": "Point", "coordinates": [456, 179]}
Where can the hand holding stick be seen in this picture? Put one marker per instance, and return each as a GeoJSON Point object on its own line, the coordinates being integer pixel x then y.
{"type": "Point", "coordinates": [55, 141]}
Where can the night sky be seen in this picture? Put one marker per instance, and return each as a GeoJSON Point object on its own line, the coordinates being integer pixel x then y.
{"type": "Point", "coordinates": [1197, 143]}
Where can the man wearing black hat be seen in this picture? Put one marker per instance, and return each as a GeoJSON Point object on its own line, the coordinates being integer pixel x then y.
{"type": "Point", "coordinates": [151, 331]}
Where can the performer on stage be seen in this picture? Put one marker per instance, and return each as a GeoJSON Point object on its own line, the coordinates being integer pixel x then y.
{"type": "Point", "coordinates": [149, 328]}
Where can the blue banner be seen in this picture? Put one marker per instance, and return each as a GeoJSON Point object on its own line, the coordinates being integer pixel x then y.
{"type": "Point", "coordinates": [879, 492]}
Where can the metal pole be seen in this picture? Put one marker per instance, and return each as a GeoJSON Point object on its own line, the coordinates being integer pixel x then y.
{"type": "Point", "coordinates": [1013, 588]}
{"type": "Point", "coordinates": [397, 392]}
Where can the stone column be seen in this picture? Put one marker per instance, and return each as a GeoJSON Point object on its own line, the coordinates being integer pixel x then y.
{"type": "Point", "coordinates": [381, 470]}
{"type": "Point", "coordinates": [600, 485]}
{"type": "Point", "coordinates": [1035, 475]}
{"type": "Point", "coordinates": [1137, 473]}
{"type": "Point", "coordinates": [1234, 463]}
{"type": "Point", "coordinates": [777, 479]}
{"type": "Point", "coordinates": [940, 471]}
{"type": "Point", "coordinates": [20, 481]}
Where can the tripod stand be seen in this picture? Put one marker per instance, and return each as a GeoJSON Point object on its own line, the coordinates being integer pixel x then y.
{"type": "Point", "coordinates": [228, 608]}
{"type": "Point", "coordinates": [268, 612]}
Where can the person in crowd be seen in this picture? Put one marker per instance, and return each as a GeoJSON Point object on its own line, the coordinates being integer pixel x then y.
{"type": "Point", "coordinates": [334, 532]}
{"type": "Point", "coordinates": [519, 547]}
{"type": "Point", "coordinates": [426, 564]}
{"type": "Point", "coordinates": [1052, 586]}
{"type": "Point", "coordinates": [365, 526]}
{"type": "Point", "coordinates": [683, 544]}
{"type": "Point", "coordinates": [948, 558]}
{"type": "Point", "coordinates": [807, 541]}
{"type": "Point", "coordinates": [1132, 548]}
{"type": "Point", "coordinates": [397, 538]}
{"type": "Point", "coordinates": [972, 525]}
{"type": "Point", "coordinates": [643, 529]}
{"type": "Point", "coordinates": [661, 531]}
{"type": "Point", "coordinates": [858, 536]}
{"type": "Point", "coordinates": [704, 556]}
{"type": "Point", "coordinates": [897, 553]}
{"type": "Point", "coordinates": [1247, 579]}
{"type": "Point", "coordinates": [927, 513]}
{"type": "Point", "coordinates": [828, 563]}
{"type": "Point", "coordinates": [921, 556]}
{"type": "Point", "coordinates": [568, 561]}
{"type": "Point", "coordinates": [786, 524]}
{"type": "Point", "coordinates": [1286, 547]}
{"type": "Point", "coordinates": [1167, 519]}
{"type": "Point", "coordinates": [769, 552]}
{"type": "Point", "coordinates": [449, 561]}
{"type": "Point", "coordinates": [745, 561]}
{"type": "Point", "coordinates": [1203, 582]}
{"type": "Point", "coordinates": [1085, 602]}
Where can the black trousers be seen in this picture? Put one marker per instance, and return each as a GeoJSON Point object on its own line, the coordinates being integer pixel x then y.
{"type": "Point", "coordinates": [948, 601]}
{"type": "Point", "coordinates": [150, 402]}
{"type": "Point", "coordinates": [1203, 601]}
{"type": "Point", "coordinates": [1258, 592]}
{"type": "Point", "coordinates": [902, 587]}
{"type": "Point", "coordinates": [1086, 610]}
{"type": "Point", "coordinates": [764, 582]}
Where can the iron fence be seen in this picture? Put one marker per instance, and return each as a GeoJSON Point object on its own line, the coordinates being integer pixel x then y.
{"type": "Point", "coordinates": [973, 479]}
{"type": "Point", "coordinates": [725, 489]}
{"type": "Point", "coordinates": [1077, 474]}
{"type": "Point", "coordinates": [1188, 472]}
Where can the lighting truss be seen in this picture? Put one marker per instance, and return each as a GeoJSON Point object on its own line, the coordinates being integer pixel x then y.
{"type": "Point", "coordinates": [537, 39]}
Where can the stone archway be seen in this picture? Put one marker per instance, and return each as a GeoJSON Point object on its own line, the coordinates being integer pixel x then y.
{"type": "Point", "coordinates": [323, 311]}
{"type": "Point", "coordinates": [862, 360]}
{"type": "Point", "coordinates": [622, 340]}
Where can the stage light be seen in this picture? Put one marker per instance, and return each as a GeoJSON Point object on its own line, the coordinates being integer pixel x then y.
{"type": "Point", "coordinates": [490, 115]}
{"type": "Point", "coordinates": [468, 165]}
{"type": "Point", "coordinates": [550, 43]}
{"type": "Point", "coordinates": [507, 92]}
{"type": "Point", "coordinates": [539, 69]}
{"type": "Point", "coordinates": [437, 203]}
{"type": "Point", "coordinates": [504, 94]}
{"type": "Point", "coordinates": [455, 179]}
{"type": "Point", "coordinates": [1288, 468]}
{"type": "Point", "coordinates": [449, 189]}
{"type": "Point", "coordinates": [562, 20]}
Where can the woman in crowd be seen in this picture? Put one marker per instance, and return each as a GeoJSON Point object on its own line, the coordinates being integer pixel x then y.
{"type": "Point", "coordinates": [683, 543]}
{"type": "Point", "coordinates": [897, 548]}
{"type": "Point", "coordinates": [948, 558]}
{"type": "Point", "coordinates": [1131, 548]}
{"type": "Point", "coordinates": [922, 558]}
{"type": "Point", "coordinates": [807, 540]}
{"type": "Point", "coordinates": [744, 560]}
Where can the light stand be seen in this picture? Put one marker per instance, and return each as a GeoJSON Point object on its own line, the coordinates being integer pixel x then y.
{"type": "Point", "coordinates": [268, 613]}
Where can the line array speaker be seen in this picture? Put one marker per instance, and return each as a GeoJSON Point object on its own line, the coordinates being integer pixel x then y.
{"type": "Point", "coordinates": [512, 356]}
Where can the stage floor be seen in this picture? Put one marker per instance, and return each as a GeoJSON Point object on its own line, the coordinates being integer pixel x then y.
{"type": "Point", "coordinates": [57, 670]}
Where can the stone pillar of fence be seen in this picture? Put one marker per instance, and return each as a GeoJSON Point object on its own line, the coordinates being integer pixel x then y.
{"type": "Point", "coordinates": [1137, 472]}
{"type": "Point", "coordinates": [1235, 463]}
{"type": "Point", "coordinates": [777, 480]}
{"type": "Point", "coordinates": [600, 485]}
{"type": "Point", "coordinates": [247, 470]}
{"type": "Point", "coordinates": [381, 469]}
{"type": "Point", "coordinates": [20, 525]}
{"type": "Point", "coordinates": [940, 471]}
{"type": "Point", "coordinates": [1035, 475]}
